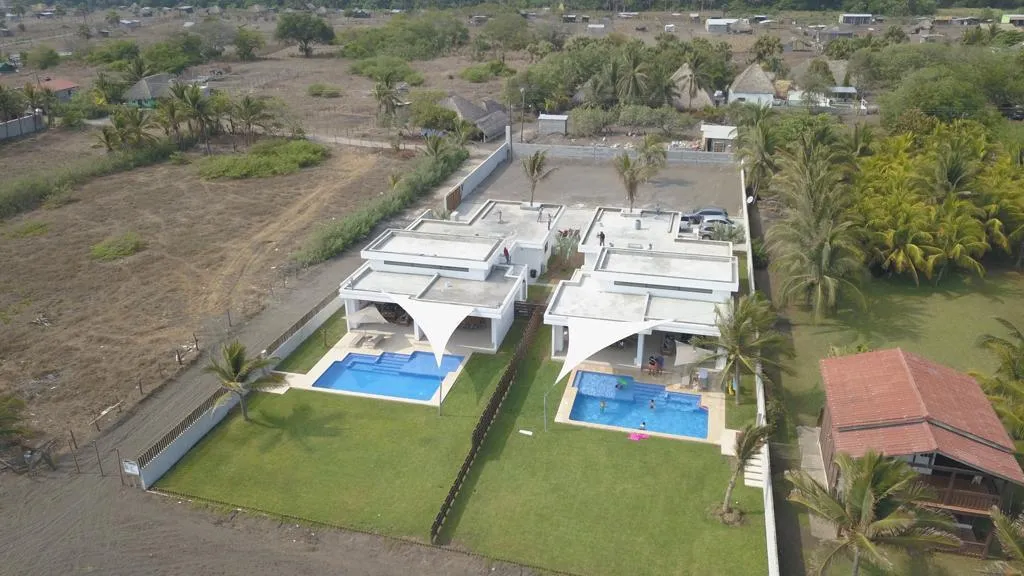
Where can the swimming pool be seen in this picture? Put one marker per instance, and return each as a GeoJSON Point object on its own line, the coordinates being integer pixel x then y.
{"type": "Point", "coordinates": [630, 405]}
{"type": "Point", "coordinates": [413, 376]}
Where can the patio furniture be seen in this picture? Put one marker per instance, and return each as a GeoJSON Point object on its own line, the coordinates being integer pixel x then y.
{"type": "Point", "coordinates": [372, 341]}
{"type": "Point", "coordinates": [358, 340]}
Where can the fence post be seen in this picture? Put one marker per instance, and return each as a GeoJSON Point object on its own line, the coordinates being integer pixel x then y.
{"type": "Point", "coordinates": [75, 458]}
{"type": "Point", "coordinates": [99, 461]}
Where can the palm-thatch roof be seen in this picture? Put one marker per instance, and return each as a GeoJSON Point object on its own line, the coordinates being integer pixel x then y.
{"type": "Point", "coordinates": [463, 108]}
{"type": "Point", "coordinates": [837, 67]}
{"type": "Point", "coordinates": [683, 79]}
{"type": "Point", "coordinates": [491, 106]}
{"type": "Point", "coordinates": [493, 124]}
{"type": "Point", "coordinates": [150, 88]}
{"type": "Point", "coordinates": [753, 80]}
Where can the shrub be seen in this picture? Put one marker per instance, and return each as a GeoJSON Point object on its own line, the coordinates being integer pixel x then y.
{"type": "Point", "coordinates": [28, 192]}
{"type": "Point", "coordinates": [27, 229]}
{"type": "Point", "coordinates": [268, 158]}
{"type": "Point", "coordinates": [179, 159]}
{"type": "Point", "coordinates": [643, 118]}
{"type": "Point", "coordinates": [759, 252]}
{"type": "Point", "coordinates": [484, 72]}
{"type": "Point", "coordinates": [117, 247]}
{"type": "Point", "coordinates": [319, 90]}
{"type": "Point", "coordinates": [112, 51]}
{"type": "Point", "coordinates": [590, 121]}
{"type": "Point", "coordinates": [331, 239]}
{"type": "Point", "coordinates": [410, 38]}
{"type": "Point", "coordinates": [377, 66]}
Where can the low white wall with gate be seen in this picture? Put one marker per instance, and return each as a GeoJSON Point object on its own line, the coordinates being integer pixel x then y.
{"type": "Point", "coordinates": [474, 179]}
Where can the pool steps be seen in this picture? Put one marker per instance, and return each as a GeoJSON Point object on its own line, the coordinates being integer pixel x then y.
{"type": "Point", "coordinates": [604, 387]}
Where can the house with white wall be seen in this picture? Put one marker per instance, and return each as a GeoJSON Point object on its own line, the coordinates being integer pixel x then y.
{"type": "Point", "coordinates": [752, 86]}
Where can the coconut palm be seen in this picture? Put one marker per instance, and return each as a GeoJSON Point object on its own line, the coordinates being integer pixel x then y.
{"type": "Point", "coordinates": [877, 508]}
{"type": "Point", "coordinates": [755, 148]}
{"type": "Point", "coordinates": [108, 138]}
{"type": "Point", "coordinates": [723, 232]}
{"type": "Point", "coordinates": [249, 113]}
{"type": "Point", "coordinates": [959, 237]}
{"type": "Point", "coordinates": [385, 94]}
{"type": "Point", "coordinates": [902, 242]}
{"type": "Point", "coordinates": [239, 374]}
{"type": "Point", "coordinates": [170, 116]}
{"type": "Point", "coordinates": [631, 86]}
{"type": "Point", "coordinates": [661, 90]}
{"type": "Point", "coordinates": [700, 77]}
{"type": "Point", "coordinates": [860, 140]}
{"type": "Point", "coordinates": [748, 444]}
{"type": "Point", "coordinates": [107, 89]}
{"type": "Point", "coordinates": [136, 69]}
{"type": "Point", "coordinates": [632, 173]}
{"type": "Point", "coordinates": [133, 127]}
{"type": "Point", "coordinates": [653, 152]}
{"type": "Point", "coordinates": [536, 170]}
{"type": "Point", "coordinates": [1010, 533]}
{"type": "Point", "coordinates": [434, 146]}
{"type": "Point", "coordinates": [197, 109]}
{"type": "Point", "coordinates": [11, 408]}
{"type": "Point", "coordinates": [753, 114]}
{"type": "Point", "coordinates": [747, 338]}
{"type": "Point", "coordinates": [1008, 352]}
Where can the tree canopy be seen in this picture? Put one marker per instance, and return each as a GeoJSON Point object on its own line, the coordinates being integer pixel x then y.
{"type": "Point", "coordinates": [305, 29]}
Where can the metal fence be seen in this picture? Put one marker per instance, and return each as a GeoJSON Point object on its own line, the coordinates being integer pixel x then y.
{"type": "Point", "coordinates": [596, 153]}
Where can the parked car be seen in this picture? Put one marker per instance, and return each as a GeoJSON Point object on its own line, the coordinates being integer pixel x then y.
{"type": "Point", "coordinates": [709, 223]}
{"type": "Point", "coordinates": [699, 216]}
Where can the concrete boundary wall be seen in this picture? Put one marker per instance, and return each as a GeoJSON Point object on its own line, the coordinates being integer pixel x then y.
{"type": "Point", "coordinates": [21, 126]}
{"type": "Point", "coordinates": [605, 153]}
{"type": "Point", "coordinates": [474, 179]}
{"type": "Point", "coordinates": [155, 468]}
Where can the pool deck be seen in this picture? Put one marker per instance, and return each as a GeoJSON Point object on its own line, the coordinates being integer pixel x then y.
{"type": "Point", "coordinates": [713, 402]}
{"type": "Point", "coordinates": [396, 339]}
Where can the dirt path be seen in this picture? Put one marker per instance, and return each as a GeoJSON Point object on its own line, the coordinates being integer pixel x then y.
{"type": "Point", "coordinates": [69, 523]}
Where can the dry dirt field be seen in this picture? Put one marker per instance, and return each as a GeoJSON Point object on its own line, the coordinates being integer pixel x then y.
{"type": "Point", "coordinates": [210, 247]}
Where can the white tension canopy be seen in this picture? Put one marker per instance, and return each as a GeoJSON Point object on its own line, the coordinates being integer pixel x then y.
{"type": "Point", "coordinates": [368, 315]}
{"type": "Point", "coordinates": [437, 320]}
{"type": "Point", "coordinates": [588, 336]}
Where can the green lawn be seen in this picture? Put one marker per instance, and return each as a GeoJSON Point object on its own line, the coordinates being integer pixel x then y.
{"type": "Point", "coordinates": [738, 416]}
{"type": "Point", "coordinates": [313, 348]}
{"type": "Point", "coordinates": [592, 502]}
{"type": "Point", "coordinates": [367, 464]}
{"type": "Point", "coordinates": [539, 292]}
{"type": "Point", "coordinates": [941, 324]}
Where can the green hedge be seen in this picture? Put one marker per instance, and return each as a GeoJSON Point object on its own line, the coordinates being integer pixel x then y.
{"type": "Point", "coordinates": [267, 158]}
{"type": "Point", "coordinates": [29, 192]}
{"type": "Point", "coordinates": [377, 66]}
{"type": "Point", "coordinates": [331, 239]}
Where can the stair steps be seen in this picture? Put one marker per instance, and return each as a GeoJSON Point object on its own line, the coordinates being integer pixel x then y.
{"type": "Point", "coordinates": [753, 472]}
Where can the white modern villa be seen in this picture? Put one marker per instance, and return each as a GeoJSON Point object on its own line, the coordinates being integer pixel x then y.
{"type": "Point", "coordinates": [441, 272]}
{"type": "Point", "coordinates": [644, 284]}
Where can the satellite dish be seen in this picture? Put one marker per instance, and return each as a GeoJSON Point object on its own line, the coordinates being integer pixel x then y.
{"type": "Point", "coordinates": [750, 199]}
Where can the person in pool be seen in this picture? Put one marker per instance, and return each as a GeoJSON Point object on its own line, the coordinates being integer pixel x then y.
{"type": "Point", "coordinates": [603, 405]}
{"type": "Point", "coordinates": [652, 404]}
{"type": "Point", "coordinates": [643, 425]}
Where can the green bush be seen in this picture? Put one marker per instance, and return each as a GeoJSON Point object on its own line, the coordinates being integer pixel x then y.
{"type": "Point", "coordinates": [590, 121]}
{"type": "Point", "coordinates": [484, 72]}
{"type": "Point", "coordinates": [319, 90]}
{"type": "Point", "coordinates": [377, 66]}
{"type": "Point", "coordinates": [331, 239]}
{"type": "Point", "coordinates": [267, 158]}
{"type": "Point", "coordinates": [28, 192]}
{"type": "Point", "coordinates": [112, 51]}
{"type": "Point", "coordinates": [422, 37]}
{"type": "Point", "coordinates": [117, 247]}
{"type": "Point", "coordinates": [644, 118]}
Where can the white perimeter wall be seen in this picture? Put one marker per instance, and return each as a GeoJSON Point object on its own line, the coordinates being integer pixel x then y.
{"type": "Point", "coordinates": [474, 179]}
{"type": "Point", "coordinates": [307, 330]}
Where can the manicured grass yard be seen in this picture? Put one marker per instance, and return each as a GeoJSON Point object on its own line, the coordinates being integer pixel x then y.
{"type": "Point", "coordinates": [738, 416]}
{"type": "Point", "coordinates": [313, 348]}
{"type": "Point", "coordinates": [539, 292]}
{"type": "Point", "coordinates": [363, 463]}
{"type": "Point", "coordinates": [593, 502]}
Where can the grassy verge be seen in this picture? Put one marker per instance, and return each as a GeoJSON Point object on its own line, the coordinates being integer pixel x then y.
{"type": "Point", "coordinates": [313, 348]}
{"type": "Point", "coordinates": [331, 239]}
{"type": "Point", "coordinates": [368, 464]}
{"type": "Point", "coordinates": [27, 229]}
{"type": "Point", "coordinates": [539, 292]}
{"type": "Point", "coordinates": [29, 192]}
{"type": "Point", "coordinates": [264, 159]}
{"type": "Point", "coordinates": [739, 415]}
{"type": "Point", "coordinates": [318, 90]}
{"type": "Point", "coordinates": [592, 502]}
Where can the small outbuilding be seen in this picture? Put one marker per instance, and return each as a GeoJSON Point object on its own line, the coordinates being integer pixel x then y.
{"type": "Point", "coordinates": [62, 88]}
{"type": "Point", "coordinates": [752, 86]}
{"type": "Point", "coordinates": [856, 19]}
{"type": "Point", "coordinates": [717, 137]}
{"type": "Point", "coordinates": [147, 91]}
{"type": "Point", "coordinates": [552, 124]}
{"type": "Point", "coordinates": [719, 25]}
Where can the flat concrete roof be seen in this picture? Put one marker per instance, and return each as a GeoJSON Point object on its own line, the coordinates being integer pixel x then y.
{"type": "Point", "coordinates": [656, 228]}
{"type": "Point", "coordinates": [499, 219]}
{"type": "Point", "coordinates": [702, 247]}
{"type": "Point", "coordinates": [583, 297]}
{"type": "Point", "coordinates": [453, 246]}
{"type": "Point", "coordinates": [667, 264]}
{"type": "Point", "coordinates": [489, 293]}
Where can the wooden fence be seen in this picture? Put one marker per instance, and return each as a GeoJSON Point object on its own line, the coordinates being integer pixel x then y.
{"type": "Point", "coordinates": [487, 418]}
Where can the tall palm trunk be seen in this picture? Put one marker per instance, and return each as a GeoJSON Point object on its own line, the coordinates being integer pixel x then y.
{"type": "Point", "coordinates": [729, 489]}
{"type": "Point", "coordinates": [736, 383]}
{"type": "Point", "coordinates": [856, 561]}
{"type": "Point", "coordinates": [241, 404]}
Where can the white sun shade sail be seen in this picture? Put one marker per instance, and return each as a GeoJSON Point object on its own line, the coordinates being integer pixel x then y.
{"type": "Point", "coordinates": [588, 336]}
{"type": "Point", "coordinates": [437, 320]}
{"type": "Point", "coordinates": [688, 354]}
{"type": "Point", "coordinates": [368, 315]}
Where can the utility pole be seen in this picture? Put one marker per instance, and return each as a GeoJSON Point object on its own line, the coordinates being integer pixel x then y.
{"type": "Point", "coordinates": [522, 114]}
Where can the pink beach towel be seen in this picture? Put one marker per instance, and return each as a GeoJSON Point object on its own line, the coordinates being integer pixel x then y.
{"type": "Point", "coordinates": [636, 436]}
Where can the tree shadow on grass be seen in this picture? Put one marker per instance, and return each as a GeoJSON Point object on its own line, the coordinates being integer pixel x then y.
{"type": "Point", "coordinates": [297, 427]}
{"type": "Point", "coordinates": [885, 317]}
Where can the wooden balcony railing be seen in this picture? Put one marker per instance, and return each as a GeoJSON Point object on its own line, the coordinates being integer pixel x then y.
{"type": "Point", "coordinates": [957, 495]}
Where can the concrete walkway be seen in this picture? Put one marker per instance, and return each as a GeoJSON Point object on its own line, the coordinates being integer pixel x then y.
{"type": "Point", "coordinates": [811, 463]}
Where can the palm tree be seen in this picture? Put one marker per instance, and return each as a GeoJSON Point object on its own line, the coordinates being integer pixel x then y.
{"type": "Point", "coordinates": [902, 243]}
{"type": "Point", "coordinates": [755, 148]}
{"type": "Point", "coordinates": [170, 116]}
{"type": "Point", "coordinates": [661, 90]}
{"type": "Point", "coordinates": [109, 139]}
{"type": "Point", "coordinates": [196, 108]}
{"type": "Point", "coordinates": [699, 65]}
{"type": "Point", "coordinates": [653, 152]}
{"type": "Point", "coordinates": [1008, 352]}
{"type": "Point", "coordinates": [239, 374]}
{"type": "Point", "coordinates": [746, 338]}
{"type": "Point", "coordinates": [748, 444]}
{"type": "Point", "coordinates": [632, 173]}
{"type": "Point", "coordinates": [753, 114]}
{"type": "Point", "coordinates": [132, 126]}
{"type": "Point", "coordinates": [106, 89]}
{"type": "Point", "coordinates": [11, 408]}
{"type": "Point", "coordinates": [728, 233]}
{"type": "Point", "coordinates": [136, 69]}
{"type": "Point", "coordinates": [632, 85]}
{"type": "Point", "coordinates": [959, 237]}
{"type": "Point", "coordinates": [1011, 536]}
{"type": "Point", "coordinates": [385, 94]}
{"type": "Point", "coordinates": [460, 134]}
{"type": "Point", "coordinates": [878, 506]}
{"type": "Point", "coordinates": [434, 146]}
{"type": "Point", "coordinates": [249, 113]}
{"type": "Point", "coordinates": [535, 167]}
{"type": "Point", "coordinates": [860, 140]}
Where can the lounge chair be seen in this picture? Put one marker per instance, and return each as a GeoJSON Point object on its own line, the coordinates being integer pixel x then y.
{"type": "Point", "coordinates": [358, 340]}
{"type": "Point", "coordinates": [372, 341]}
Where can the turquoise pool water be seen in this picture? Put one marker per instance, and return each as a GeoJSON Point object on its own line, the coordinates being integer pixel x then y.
{"type": "Point", "coordinates": [629, 405]}
{"type": "Point", "coordinates": [413, 376]}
